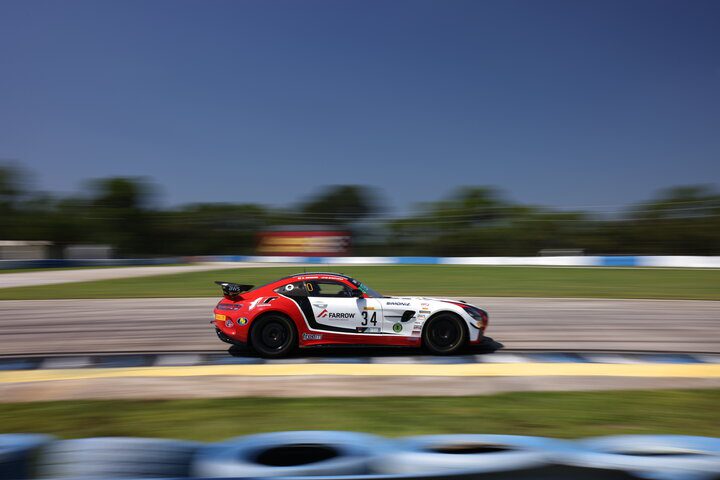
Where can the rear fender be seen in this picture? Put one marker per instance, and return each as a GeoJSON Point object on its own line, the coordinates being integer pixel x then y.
{"type": "Point", "coordinates": [276, 313]}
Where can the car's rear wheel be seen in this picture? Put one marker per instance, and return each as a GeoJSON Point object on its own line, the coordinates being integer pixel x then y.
{"type": "Point", "coordinates": [444, 334]}
{"type": "Point", "coordinates": [273, 336]}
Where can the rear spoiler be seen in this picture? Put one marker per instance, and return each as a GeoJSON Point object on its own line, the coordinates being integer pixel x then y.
{"type": "Point", "coordinates": [233, 290]}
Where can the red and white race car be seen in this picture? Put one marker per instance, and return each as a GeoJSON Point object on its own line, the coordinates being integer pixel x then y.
{"type": "Point", "coordinates": [314, 309]}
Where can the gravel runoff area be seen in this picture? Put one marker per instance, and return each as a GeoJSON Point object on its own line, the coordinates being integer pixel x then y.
{"type": "Point", "coordinates": [182, 325]}
{"type": "Point", "coordinates": [151, 388]}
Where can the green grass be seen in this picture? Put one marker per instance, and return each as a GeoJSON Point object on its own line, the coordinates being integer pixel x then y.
{"type": "Point", "coordinates": [417, 280]}
{"type": "Point", "coordinates": [557, 414]}
{"type": "Point", "coordinates": [86, 267]}
{"type": "Point", "coordinates": [49, 269]}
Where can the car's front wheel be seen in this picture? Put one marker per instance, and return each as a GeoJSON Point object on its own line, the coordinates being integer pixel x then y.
{"type": "Point", "coordinates": [444, 334]}
{"type": "Point", "coordinates": [273, 336]}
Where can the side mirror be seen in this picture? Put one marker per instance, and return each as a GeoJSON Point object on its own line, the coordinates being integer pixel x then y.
{"type": "Point", "coordinates": [357, 293]}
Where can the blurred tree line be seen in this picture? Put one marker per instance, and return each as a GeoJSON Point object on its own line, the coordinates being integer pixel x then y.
{"type": "Point", "coordinates": [473, 221]}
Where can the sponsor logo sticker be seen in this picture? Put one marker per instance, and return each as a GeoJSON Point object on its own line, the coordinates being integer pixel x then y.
{"type": "Point", "coordinates": [368, 329]}
{"type": "Point", "coordinates": [341, 315]}
{"type": "Point", "coordinates": [242, 321]}
{"type": "Point", "coordinates": [311, 336]}
{"type": "Point", "coordinates": [399, 304]}
{"type": "Point", "coordinates": [397, 328]}
{"type": "Point", "coordinates": [220, 317]}
{"type": "Point", "coordinates": [255, 302]}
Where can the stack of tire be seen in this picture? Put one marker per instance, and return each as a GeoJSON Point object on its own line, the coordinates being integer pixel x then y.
{"type": "Point", "coordinates": [653, 457]}
{"type": "Point", "coordinates": [332, 455]}
{"type": "Point", "coordinates": [291, 454]}
{"type": "Point", "coordinates": [116, 458]}
{"type": "Point", "coordinates": [486, 457]}
{"type": "Point", "coordinates": [17, 454]}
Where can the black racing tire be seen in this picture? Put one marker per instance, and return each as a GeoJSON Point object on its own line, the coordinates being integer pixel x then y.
{"type": "Point", "coordinates": [444, 334]}
{"type": "Point", "coordinates": [273, 336]}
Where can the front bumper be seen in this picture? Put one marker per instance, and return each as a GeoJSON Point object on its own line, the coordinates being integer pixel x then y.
{"type": "Point", "coordinates": [487, 344]}
{"type": "Point", "coordinates": [476, 341]}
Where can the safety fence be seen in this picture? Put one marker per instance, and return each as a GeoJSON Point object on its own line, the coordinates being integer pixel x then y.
{"type": "Point", "coordinates": [346, 455]}
{"type": "Point", "coordinates": [539, 261]}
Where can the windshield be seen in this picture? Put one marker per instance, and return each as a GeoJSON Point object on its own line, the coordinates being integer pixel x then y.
{"type": "Point", "coordinates": [366, 290]}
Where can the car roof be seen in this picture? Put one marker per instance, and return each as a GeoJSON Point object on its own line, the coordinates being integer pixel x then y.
{"type": "Point", "coordinates": [302, 274]}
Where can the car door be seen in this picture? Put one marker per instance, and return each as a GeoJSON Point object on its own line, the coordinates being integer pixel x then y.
{"type": "Point", "coordinates": [336, 309]}
{"type": "Point", "coordinates": [398, 315]}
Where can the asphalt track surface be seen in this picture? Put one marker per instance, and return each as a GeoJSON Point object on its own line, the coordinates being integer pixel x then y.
{"type": "Point", "coordinates": [50, 327]}
{"type": "Point", "coordinates": [182, 325]}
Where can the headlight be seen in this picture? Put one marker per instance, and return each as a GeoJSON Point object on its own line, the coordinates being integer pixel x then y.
{"type": "Point", "coordinates": [480, 316]}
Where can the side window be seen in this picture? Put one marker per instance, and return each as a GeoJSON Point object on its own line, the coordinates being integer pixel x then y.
{"type": "Point", "coordinates": [328, 288]}
{"type": "Point", "coordinates": [296, 289]}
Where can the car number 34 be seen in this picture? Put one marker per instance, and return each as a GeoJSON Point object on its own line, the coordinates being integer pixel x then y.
{"type": "Point", "coordinates": [372, 319]}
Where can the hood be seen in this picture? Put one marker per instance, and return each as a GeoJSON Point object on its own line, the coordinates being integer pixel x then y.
{"type": "Point", "coordinates": [430, 299]}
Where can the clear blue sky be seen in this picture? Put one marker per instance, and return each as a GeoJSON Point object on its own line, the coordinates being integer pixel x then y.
{"type": "Point", "coordinates": [556, 102]}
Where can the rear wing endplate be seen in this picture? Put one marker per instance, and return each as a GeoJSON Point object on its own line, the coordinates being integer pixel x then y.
{"type": "Point", "coordinates": [233, 290]}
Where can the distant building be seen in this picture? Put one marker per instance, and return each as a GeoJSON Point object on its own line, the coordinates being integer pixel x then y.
{"type": "Point", "coordinates": [24, 250]}
{"type": "Point", "coordinates": [88, 252]}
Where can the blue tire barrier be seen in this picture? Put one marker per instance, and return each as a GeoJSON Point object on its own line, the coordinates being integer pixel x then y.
{"type": "Point", "coordinates": [485, 457]}
{"type": "Point", "coordinates": [289, 454]}
{"type": "Point", "coordinates": [476, 453]}
{"type": "Point", "coordinates": [117, 458]}
{"type": "Point", "coordinates": [331, 455]}
{"type": "Point", "coordinates": [17, 451]}
{"type": "Point", "coordinates": [654, 457]}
